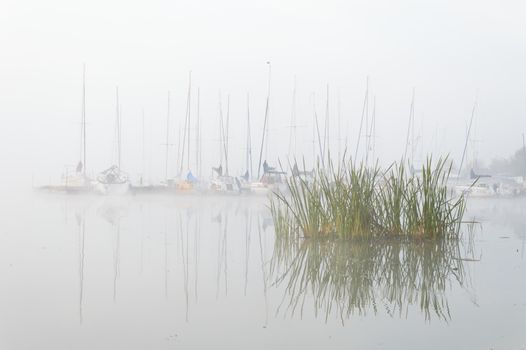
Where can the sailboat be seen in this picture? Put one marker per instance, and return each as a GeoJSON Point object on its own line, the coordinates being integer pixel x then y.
{"type": "Point", "coordinates": [168, 183]}
{"type": "Point", "coordinates": [271, 179]}
{"type": "Point", "coordinates": [76, 181]}
{"type": "Point", "coordinates": [471, 187]}
{"type": "Point", "coordinates": [141, 184]}
{"type": "Point", "coordinates": [245, 183]}
{"type": "Point", "coordinates": [221, 181]}
{"type": "Point", "coordinates": [186, 184]}
{"type": "Point", "coordinates": [486, 184]}
{"type": "Point", "coordinates": [113, 180]}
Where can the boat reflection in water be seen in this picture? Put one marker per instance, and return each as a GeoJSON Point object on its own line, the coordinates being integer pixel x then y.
{"type": "Point", "coordinates": [113, 214]}
{"type": "Point", "coordinates": [346, 278]}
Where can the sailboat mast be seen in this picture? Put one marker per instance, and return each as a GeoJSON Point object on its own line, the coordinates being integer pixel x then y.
{"type": "Point", "coordinates": [221, 131]}
{"type": "Point", "coordinates": [186, 130]}
{"type": "Point", "coordinates": [118, 127]}
{"type": "Point", "coordinates": [318, 132]}
{"type": "Point", "coordinates": [373, 129]}
{"type": "Point", "coordinates": [197, 139]}
{"type": "Point", "coordinates": [413, 136]}
{"type": "Point", "coordinates": [189, 114]}
{"type": "Point", "coordinates": [143, 147]}
{"type": "Point", "coordinates": [265, 121]}
{"type": "Point", "coordinates": [367, 130]}
{"type": "Point", "coordinates": [339, 129]}
{"type": "Point", "coordinates": [292, 134]}
{"type": "Point", "coordinates": [179, 159]}
{"type": "Point", "coordinates": [226, 133]}
{"type": "Point", "coordinates": [326, 132]}
{"type": "Point", "coordinates": [364, 109]}
{"type": "Point", "coordinates": [84, 120]}
{"type": "Point", "coordinates": [313, 131]}
{"type": "Point", "coordinates": [249, 140]}
{"type": "Point", "coordinates": [409, 126]}
{"type": "Point", "coordinates": [167, 137]}
{"type": "Point", "coordinates": [467, 137]}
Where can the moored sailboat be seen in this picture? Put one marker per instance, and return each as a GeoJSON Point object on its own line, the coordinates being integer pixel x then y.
{"type": "Point", "coordinates": [222, 182]}
{"type": "Point", "coordinates": [113, 180]}
{"type": "Point", "coordinates": [78, 180]}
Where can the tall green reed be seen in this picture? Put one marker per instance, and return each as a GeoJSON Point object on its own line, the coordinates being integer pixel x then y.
{"type": "Point", "coordinates": [354, 200]}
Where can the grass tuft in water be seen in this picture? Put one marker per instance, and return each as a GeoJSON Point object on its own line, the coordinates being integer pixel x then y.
{"type": "Point", "coordinates": [353, 201]}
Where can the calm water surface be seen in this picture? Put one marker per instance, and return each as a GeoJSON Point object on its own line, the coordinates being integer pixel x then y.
{"type": "Point", "coordinates": [154, 272]}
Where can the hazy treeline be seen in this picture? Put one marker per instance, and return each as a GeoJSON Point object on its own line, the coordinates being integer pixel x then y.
{"type": "Point", "coordinates": [514, 165]}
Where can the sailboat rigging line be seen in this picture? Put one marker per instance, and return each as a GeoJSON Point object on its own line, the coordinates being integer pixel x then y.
{"type": "Point", "coordinates": [143, 147]}
{"type": "Point", "coordinates": [249, 140]}
{"type": "Point", "coordinates": [467, 138]}
{"type": "Point", "coordinates": [227, 126]}
{"type": "Point", "coordinates": [326, 131]}
{"type": "Point", "coordinates": [167, 138]}
{"type": "Point", "coordinates": [118, 127]}
{"type": "Point", "coordinates": [339, 128]}
{"type": "Point", "coordinates": [411, 122]}
{"type": "Point", "coordinates": [189, 114]}
{"type": "Point", "coordinates": [197, 139]}
{"type": "Point", "coordinates": [83, 134]}
{"type": "Point", "coordinates": [222, 136]}
{"type": "Point", "coordinates": [312, 96]}
{"type": "Point", "coordinates": [318, 132]}
{"type": "Point", "coordinates": [292, 133]}
{"type": "Point", "coordinates": [370, 133]}
{"type": "Point", "coordinates": [365, 102]}
{"type": "Point", "coordinates": [265, 121]}
{"type": "Point", "coordinates": [186, 126]}
{"type": "Point", "coordinates": [220, 130]}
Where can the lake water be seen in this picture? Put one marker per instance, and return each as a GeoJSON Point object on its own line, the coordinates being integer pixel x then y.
{"type": "Point", "coordinates": [161, 272]}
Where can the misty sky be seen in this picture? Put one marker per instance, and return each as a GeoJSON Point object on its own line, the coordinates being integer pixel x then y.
{"type": "Point", "coordinates": [450, 51]}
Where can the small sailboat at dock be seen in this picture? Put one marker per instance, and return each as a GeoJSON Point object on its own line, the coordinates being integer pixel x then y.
{"type": "Point", "coordinates": [222, 182]}
{"type": "Point", "coordinates": [76, 181]}
{"type": "Point", "coordinates": [113, 180]}
{"type": "Point", "coordinates": [189, 182]}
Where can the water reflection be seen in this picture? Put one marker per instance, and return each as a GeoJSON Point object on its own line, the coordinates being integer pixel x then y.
{"type": "Point", "coordinates": [331, 278]}
{"type": "Point", "coordinates": [344, 278]}
{"type": "Point", "coordinates": [248, 233]}
{"type": "Point", "coordinates": [504, 212]}
{"type": "Point", "coordinates": [184, 257]}
{"type": "Point", "coordinates": [113, 214]}
{"type": "Point", "coordinates": [81, 224]}
{"type": "Point", "coordinates": [161, 258]}
{"type": "Point", "coordinates": [263, 273]}
{"type": "Point", "coordinates": [507, 214]}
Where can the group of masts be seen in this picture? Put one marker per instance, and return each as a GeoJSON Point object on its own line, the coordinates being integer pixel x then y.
{"type": "Point", "coordinates": [321, 135]}
{"type": "Point", "coordinates": [184, 147]}
{"type": "Point", "coordinates": [184, 155]}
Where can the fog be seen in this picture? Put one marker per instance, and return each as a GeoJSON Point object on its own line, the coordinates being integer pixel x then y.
{"type": "Point", "coordinates": [405, 260]}
{"type": "Point", "coordinates": [452, 53]}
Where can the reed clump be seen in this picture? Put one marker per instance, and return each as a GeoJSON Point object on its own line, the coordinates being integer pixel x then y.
{"type": "Point", "coordinates": [354, 200]}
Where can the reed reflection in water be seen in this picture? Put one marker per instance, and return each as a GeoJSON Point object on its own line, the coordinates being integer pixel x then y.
{"type": "Point", "coordinates": [347, 277]}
